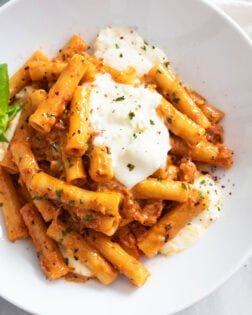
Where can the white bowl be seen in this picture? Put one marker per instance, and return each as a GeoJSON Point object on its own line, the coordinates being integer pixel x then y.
{"type": "Point", "coordinates": [210, 53]}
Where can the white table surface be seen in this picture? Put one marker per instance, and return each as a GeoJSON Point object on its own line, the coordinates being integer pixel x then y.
{"type": "Point", "coordinates": [235, 296]}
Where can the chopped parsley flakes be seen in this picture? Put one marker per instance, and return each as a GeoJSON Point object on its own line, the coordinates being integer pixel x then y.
{"type": "Point", "coordinates": [54, 145]}
{"type": "Point", "coordinates": [71, 202]}
{"type": "Point", "coordinates": [88, 217]}
{"type": "Point", "coordinates": [184, 186]}
{"type": "Point", "coordinates": [44, 197]}
{"type": "Point", "coordinates": [131, 115]}
{"type": "Point", "coordinates": [168, 227]}
{"type": "Point", "coordinates": [69, 161]}
{"type": "Point", "coordinates": [175, 99]}
{"type": "Point", "coordinates": [130, 166]}
{"type": "Point", "coordinates": [59, 193]}
{"type": "Point", "coordinates": [67, 231]}
{"type": "Point", "coordinates": [201, 197]}
{"type": "Point", "coordinates": [118, 99]}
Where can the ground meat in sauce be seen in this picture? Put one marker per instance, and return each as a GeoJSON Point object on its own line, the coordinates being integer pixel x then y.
{"type": "Point", "coordinates": [215, 134]}
{"type": "Point", "coordinates": [187, 170]}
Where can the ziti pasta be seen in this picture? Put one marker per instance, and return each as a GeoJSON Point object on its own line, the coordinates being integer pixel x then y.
{"type": "Point", "coordinates": [102, 166]}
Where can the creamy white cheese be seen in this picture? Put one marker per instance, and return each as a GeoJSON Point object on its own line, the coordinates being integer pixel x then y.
{"type": "Point", "coordinates": [126, 120]}
{"type": "Point", "coordinates": [8, 134]}
{"type": "Point", "coordinates": [75, 265]}
{"type": "Point", "coordinates": [123, 47]}
{"type": "Point", "coordinates": [193, 231]}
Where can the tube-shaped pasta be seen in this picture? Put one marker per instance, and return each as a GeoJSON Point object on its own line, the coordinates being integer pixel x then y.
{"type": "Point", "coordinates": [83, 251]}
{"type": "Point", "coordinates": [125, 263]}
{"type": "Point", "coordinates": [50, 257]}
{"type": "Point", "coordinates": [75, 45]}
{"type": "Point", "coordinates": [46, 70]}
{"type": "Point", "coordinates": [91, 72]}
{"type": "Point", "coordinates": [95, 220]}
{"type": "Point", "coordinates": [11, 205]}
{"type": "Point", "coordinates": [170, 171]}
{"type": "Point", "coordinates": [153, 188]}
{"type": "Point", "coordinates": [169, 84]}
{"type": "Point", "coordinates": [204, 151]}
{"type": "Point", "coordinates": [179, 123]}
{"type": "Point", "coordinates": [23, 130]}
{"type": "Point", "coordinates": [218, 155]}
{"type": "Point", "coordinates": [127, 76]}
{"type": "Point", "coordinates": [8, 164]}
{"type": "Point", "coordinates": [213, 114]}
{"type": "Point", "coordinates": [74, 170]}
{"type": "Point", "coordinates": [171, 223]}
{"type": "Point", "coordinates": [78, 133]}
{"type": "Point", "coordinates": [100, 168]}
{"type": "Point", "coordinates": [23, 193]}
{"type": "Point", "coordinates": [22, 77]}
{"type": "Point", "coordinates": [105, 202]}
{"type": "Point", "coordinates": [44, 118]}
{"type": "Point", "coordinates": [36, 97]}
{"type": "Point", "coordinates": [28, 167]}
{"type": "Point", "coordinates": [25, 160]}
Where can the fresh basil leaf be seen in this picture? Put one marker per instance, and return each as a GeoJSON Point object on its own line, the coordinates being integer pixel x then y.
{"type": "Point", "coordinates": [7, 113]}
{"type": "Point", "coordinates": [13, 110]}
{"type": "Point", "coordinates": [3, 126]}
{"type": "Point", "coordinates": [3, 122]}
{"type": "Point", "coordinates": [3, 138]}
{"type": "Point", "coordinates": [4, 88]}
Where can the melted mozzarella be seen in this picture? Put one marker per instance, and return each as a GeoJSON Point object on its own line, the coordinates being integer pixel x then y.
{"type": "Point", "coordinates": [126, 120]}
{"type": "Point", "coordinates": [123, 47]}
{"type": "Point", "coordinates": [75, 265]}
{"type": "Point", "coordinates": [8, 134]}
{"type": "Point", "coordinates": [191, 232]}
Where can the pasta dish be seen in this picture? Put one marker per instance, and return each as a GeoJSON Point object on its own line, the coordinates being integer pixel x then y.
{"type": "Point", "coordinates": [102, 156]}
